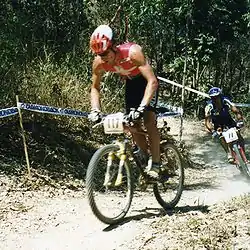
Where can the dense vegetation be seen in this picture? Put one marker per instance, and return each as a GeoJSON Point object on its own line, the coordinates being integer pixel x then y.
{"type": "Point", "coordinates": [45, 56]}
{"type": "Point", "coordinates": [45, 59]}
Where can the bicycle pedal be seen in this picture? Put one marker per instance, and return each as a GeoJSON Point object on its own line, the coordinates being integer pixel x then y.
{"type": "Point", "coordinates": [142, 183]}
{"type": "Point", "coordinates": [152, 180]}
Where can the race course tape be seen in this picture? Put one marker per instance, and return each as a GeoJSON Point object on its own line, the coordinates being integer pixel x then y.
{"type": "Point", "coordinates": [8, 112]}
{"type": "Point", "coordinates": [243, 105]}
{"type": "Point", "coordinates": [170, 108]}
{"type": "Point", "coordinates": [51, 110]}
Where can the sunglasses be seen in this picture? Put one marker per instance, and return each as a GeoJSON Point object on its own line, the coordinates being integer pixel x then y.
{"type": "Point", "coordinates": [214, 98]}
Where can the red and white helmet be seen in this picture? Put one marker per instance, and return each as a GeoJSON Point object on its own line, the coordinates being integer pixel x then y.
{"type": "Point", "coordinates": [101, 39]}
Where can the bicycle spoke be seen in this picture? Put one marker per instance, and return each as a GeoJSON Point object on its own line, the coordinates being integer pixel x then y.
{"type": "Point", "coordinates": [109, 190]}
{"type": "Point", "coordinates": [169, 188]}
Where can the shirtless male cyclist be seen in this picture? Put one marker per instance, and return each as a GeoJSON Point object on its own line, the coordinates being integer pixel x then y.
{"type": "Point", "coordinates": [141, 87]}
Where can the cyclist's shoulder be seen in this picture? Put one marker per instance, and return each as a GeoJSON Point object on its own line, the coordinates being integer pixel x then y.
{"type": "Point", "coordinates": [227, 101]}
{"type": "Point", "coordinates": [125, 45]}
{"type": "Point", "coordinates": [209, 103]}
{"type": "Point", "coordinates": [224, 97]}
{"type": "Point", "coordinates": [128, 48]}
{"type": "Point", "coordinates": [208, 108]}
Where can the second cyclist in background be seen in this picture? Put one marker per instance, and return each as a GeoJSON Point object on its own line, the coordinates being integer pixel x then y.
{"type": "Point", "coordinates": [218, 116]}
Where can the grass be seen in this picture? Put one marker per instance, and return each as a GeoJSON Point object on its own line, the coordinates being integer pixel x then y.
{"type": "Point", "coordinates": [224, 226]}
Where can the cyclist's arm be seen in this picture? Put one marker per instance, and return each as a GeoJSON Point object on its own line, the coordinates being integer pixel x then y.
{"type": "Point", "coordinates": [234, 109]}
{"type": "Point", "coordinates": [137, 57]}
{"type": "Point", "coordinates": [237, 113]}
{"type": "Point", "coordinates": [96, 84]}
{"type": "Point", "coordinates": [208, 124]}
{"type": "Point", "coordinates": [208, 120]}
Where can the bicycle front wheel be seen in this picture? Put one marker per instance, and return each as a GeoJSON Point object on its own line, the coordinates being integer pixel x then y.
{"type": "Point", "coordinates": [108, 199]}
{"type": "Point", "coordinates": [168, 189]}
{"type": "Point", "coordinates": [241, 160]}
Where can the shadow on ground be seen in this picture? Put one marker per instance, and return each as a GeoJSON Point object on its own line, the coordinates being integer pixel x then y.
{"type": "Point", "coordinates": [147, 213]}
{"type": "Point", "coordinates": [199, 185]}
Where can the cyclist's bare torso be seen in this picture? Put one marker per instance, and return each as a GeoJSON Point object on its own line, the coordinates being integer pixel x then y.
{"type": "Point", "coordinates": [128, 61]}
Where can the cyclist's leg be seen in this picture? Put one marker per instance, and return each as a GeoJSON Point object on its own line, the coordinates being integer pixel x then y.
{"type": "Point", "coordinates": [134, 92]}
{"type": "Point", "coordinates": [241, 140]}
{"type": "Point", "coordinates": [224, 145]}
{"type": "Point", "coordinates": [153, 135]}
{"type": "Point", "coordinates": [150, 123]}
{"type": "Point", "coordinates": [230, 123]}
{"type": "Point", "coordinates": [219, 125]}
{"type": "Point", "coordinates": [139, 139]}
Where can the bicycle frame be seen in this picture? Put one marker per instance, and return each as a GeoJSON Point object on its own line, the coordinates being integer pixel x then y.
{"type": "Point", "coordinates": [117, 174]}
{"type": "Point", "coordinates": [231, 137]}
{"type": "Point", "coordinates": [125, 150]}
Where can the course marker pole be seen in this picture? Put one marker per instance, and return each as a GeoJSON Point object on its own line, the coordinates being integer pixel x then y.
{"type": "Point", "coordinates": [23, 136]}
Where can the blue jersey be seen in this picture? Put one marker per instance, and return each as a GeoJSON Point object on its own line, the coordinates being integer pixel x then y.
{"type": "Point", "coordinates": [211, 110]}
{"type": "Point", "coordinates": [220, 117]}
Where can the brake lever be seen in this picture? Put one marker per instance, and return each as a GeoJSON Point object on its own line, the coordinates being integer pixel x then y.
{"type": "Point", "coordinates": [99, 123]}
{"type": "Point", "coordinates": [128, 121]}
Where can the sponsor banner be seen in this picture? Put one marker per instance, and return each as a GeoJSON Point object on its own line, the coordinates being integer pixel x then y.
{"type": "Point", "coordinates": [52, 110]}
{"type": "Point", "coordinates": [8, 112]}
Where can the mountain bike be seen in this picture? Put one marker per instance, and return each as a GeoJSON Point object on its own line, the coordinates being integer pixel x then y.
{"type": "Point", "coordinates": [231, 137]}
{"type": "Point", "coordinates": [110, 174]}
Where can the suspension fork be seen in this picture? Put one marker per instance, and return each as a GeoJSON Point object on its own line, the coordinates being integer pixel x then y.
{"type": "Point", "coordinates": [121, 154]}
{"type": "Point", "coordinates": [243, 154]}
{"type": "Point", "coordinates": [241, 151]}
{"type": "Point", "coordinates": [233, 151]}
{"type": "Point", "coordinates": [241, 146]}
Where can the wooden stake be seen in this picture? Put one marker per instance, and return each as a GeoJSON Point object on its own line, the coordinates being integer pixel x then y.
{"type": "Point", "coordinates": [23, 136]}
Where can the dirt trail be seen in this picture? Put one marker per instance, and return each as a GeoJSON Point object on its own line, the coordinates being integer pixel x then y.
{"type": "Point", "coordinates": [57, 219]}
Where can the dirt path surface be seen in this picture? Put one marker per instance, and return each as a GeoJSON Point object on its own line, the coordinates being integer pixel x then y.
{"type": "Point", "coordinates": [61, 219]}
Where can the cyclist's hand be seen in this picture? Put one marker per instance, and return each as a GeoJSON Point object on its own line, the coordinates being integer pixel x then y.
{"type": "Point", "coordinates": [240, 124]}
{"type": "Point", "coordinates": [214, 134]}
{"type": "Point", "coordinates": [136, 114]}
{"type": "Point", "coordinates": [95, 115]}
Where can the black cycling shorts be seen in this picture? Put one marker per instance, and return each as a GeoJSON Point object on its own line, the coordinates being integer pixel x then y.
{"type": "Point", "coordinates": [223, 121]}
{"type": "Point", "coordinates": [134, 92]}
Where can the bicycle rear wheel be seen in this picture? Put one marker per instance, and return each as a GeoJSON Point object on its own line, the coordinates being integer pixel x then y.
{"type": "Point", "coordinates": [108, 200]}
{"type": "Point", "coordinates": [168, 189]}
{"type": "Point", "coordinates": [241, 161]}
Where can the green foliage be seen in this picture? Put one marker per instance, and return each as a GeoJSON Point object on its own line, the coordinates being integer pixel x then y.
{"type": "Point", "coordinates": [45, 59]}
{"type": "Point", "coordinates": [45, 54]}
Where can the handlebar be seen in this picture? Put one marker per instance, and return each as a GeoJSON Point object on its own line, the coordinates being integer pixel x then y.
{"type": "Point", "coordinates": [114, 123]}
{"type": "Point", "coordinates": [225, 129]}
{"type": "Point", "coordinates": [129, 122]}
{"type": "Point", "coordinates": [125, 119]}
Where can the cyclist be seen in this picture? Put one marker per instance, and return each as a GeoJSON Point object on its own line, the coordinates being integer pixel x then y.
{"type": "Point", "coordinates": [217, 116]}
{"type": "Point", "coordinates": [141, 87]}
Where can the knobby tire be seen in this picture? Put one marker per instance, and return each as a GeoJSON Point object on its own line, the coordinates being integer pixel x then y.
{"type": "Point", "coordinates": [179, 189]}
{"type": "Point", "coordinates": [90, 186]}
{"type": "Point", "coordinates": [244, 168]}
